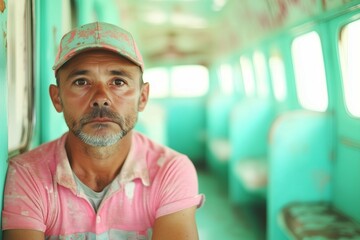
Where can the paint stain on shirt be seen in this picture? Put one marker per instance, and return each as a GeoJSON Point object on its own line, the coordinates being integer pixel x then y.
{"type": "Point", "coordinates": [25, 213]}
{"type": "Point", "coordinates": [129, 190]}
{"type": "Point", "coordinates": [161, 161]}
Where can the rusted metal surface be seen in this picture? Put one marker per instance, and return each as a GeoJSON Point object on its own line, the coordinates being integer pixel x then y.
{"type": "Point", "coordinates": [320, 220]}
{"type": "Point", "coordinates": [2, 6]}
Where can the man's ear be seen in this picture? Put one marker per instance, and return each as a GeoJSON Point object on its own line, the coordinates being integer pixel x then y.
{"type": "Point", "coordinates": [144, 96]}
{"type": "Point", "coordinates": [55, 97]}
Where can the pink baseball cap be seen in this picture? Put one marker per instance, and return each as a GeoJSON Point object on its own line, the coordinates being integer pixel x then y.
{"type": "Point", "coordinates": [98, 35]}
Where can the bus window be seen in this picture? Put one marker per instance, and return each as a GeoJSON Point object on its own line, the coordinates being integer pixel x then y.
{"type": "Point", "coordinates": [226, 79]}
{"type": "Point", "coordinates": [177, 81]}
{"type": "Point", "coordinates": [260, 73]}
{"type": "Point", "coordinates": [189, 81]}
{"type": "Point", "coordinates": [277, 72]}
{"type": "Point", "coordinates": [247, 76]}
{"type": "Point", "coordinates": [20, 75]}
{"type": "Point", "coordinates": [350, 58]}
{"type": "Point", "coordinates": [159, 81]}
{"type": "Point", "coordinates": [310, 72]}
{"type": "Point", "coordinates": [67, 19]}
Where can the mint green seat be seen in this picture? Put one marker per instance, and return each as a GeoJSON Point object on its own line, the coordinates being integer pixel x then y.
{"type": "Point", "coordinates": [218, 111]}
{"type": "Point", "coordinates": [250, 123]}
{"type": "Point", "coordinates": [300, 161]}
{"type": "Point", "coordinates": [317, 220]}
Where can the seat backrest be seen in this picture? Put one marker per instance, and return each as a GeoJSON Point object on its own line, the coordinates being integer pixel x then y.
{"type": "Point", "coordinates": [250, 124]}
{"type": "Point", "coordinates": [152, 123]}
{"type": "Point", "coordinates": [300, 158]}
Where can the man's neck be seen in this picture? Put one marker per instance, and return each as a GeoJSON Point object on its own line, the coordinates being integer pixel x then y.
{"type": "Point", "coordinates": [97, 167]}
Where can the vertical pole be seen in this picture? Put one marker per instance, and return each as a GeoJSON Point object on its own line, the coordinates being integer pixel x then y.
{"type": "Point", "coordinates": [3, 100]}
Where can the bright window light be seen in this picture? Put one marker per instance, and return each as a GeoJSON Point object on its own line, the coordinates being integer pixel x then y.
{"type": "Point", "coordinates": [350, 58]}
{"type": "Point", "coordinates": [277, 72]}
{"type": "Point", "coordinates": [310, 72]}
{"type": "Point", "coordinates": [226, 79]}
{"type": "Point", "coordinates": [218, 4]}
{"type": "Point", "coordinates": [248, 76]}
{"type": "Point", "coordinates": [158, 79]}
{"type": "Point", "coordinates": [189, 81]}
{"type": "Point", "coordinates": [19, 48]}
{"type": "Point", "coordinates": [260, 73]}
{"type": "Point", "coordinates": [155, 17]}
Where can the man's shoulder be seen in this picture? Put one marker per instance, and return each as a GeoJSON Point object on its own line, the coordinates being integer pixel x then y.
{"type": "Point", "coordinates": [157, 155]}
{"type": "Point", "coordinates": [146, 144]}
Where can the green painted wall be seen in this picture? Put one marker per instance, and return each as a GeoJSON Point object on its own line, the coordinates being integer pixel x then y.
{"type": "Point", "coordinates": [48, 33]}
{"type": "Point", "coordinates": [3, 100]}
{"type": "Point", "coordinates": [97, 10]}
{"type": "Point", "coordinates": [346, 178]}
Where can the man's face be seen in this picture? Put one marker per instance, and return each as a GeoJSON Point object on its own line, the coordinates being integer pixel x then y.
{"type": "Point", "coordinates": [100, 94]}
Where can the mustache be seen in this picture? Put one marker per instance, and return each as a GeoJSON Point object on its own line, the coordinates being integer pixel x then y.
{"type": "Point", "coordinates": [101, 113]}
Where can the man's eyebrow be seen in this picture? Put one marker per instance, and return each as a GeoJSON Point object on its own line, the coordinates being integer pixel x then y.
{"type": "Point", "coordinates": [77, 73]}
{"type": "Point", "coordinates": [121, 73]}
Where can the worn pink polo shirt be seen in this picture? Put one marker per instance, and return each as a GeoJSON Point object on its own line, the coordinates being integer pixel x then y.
{"type": "Point", "coordinates": [41, 193]}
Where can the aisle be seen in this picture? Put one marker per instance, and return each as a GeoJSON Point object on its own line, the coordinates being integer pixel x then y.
{"type": "Point", "coordinates": [217, 220]}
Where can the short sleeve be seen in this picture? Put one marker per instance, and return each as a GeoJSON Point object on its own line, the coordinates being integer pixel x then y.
{"type": "Point", "coordinates": [178, 187]}
{"type": "Point", "coordinates": [23, 208]}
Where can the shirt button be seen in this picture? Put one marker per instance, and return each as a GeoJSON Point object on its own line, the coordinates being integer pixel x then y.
{"type": "Point", "coordinates": [98, 219]}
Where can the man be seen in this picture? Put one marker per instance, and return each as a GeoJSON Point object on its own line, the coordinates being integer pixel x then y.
{"type": "Point", "coordinates": [101, 180]}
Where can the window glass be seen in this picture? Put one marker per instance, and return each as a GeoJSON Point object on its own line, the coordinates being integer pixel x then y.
{"type": "Point", "coordinates": [189, 81]}
{"type": "Point", "coordinates": [277, 72]}
{"type": "Point", "coordinates": [158, 79]}
{"type": "Point", "coordinates": [177, 81]}
{"type": "Point", "coordinates": [309, 72]}
{"type": "Point", "coordinates": [350, 58]}
{"type": "Point", "coordinates": [20, 103]}
{"type": "Point", "coordinates": [226, 79]}
{"type": "Point", "coordinates": [261, 74]}
{"type": "Point", "coordinates": [67, 17]}
{"type": "Point", "coordinates": [248, 76]}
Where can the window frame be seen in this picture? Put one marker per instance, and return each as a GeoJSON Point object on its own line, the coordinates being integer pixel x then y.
{"type": "Point", "coordinates": [346, 85]}
{"type": "Point", "coordinates": [26, 59]}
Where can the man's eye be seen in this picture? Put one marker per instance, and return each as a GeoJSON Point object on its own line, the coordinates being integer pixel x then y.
{"type": "Point", "coordinates": [80, 82]}
{"type": "Point", "coordinates": [118, 82]}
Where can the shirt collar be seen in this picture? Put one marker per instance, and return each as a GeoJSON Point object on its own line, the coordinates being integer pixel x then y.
{"type": "Point", "coordinates": [135, 165]}
{"type": "Point", "coordinates": [64, 174]}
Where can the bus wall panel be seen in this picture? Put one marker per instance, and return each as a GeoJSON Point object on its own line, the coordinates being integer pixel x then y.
{"type": "Point", "coordinates": [3, 99]}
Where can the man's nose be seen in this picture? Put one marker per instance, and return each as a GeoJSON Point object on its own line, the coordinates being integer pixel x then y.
{"type": "Point", "coordinates": [100, 97]}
